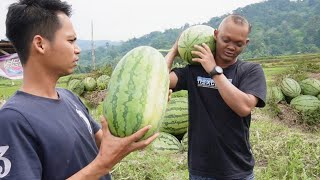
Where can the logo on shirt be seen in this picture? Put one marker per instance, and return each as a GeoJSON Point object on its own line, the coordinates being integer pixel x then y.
{"type": "Point", "coordinates": [84, 118]}
{"type": "Point", "coordinates": [207, 82]}
{"type": "Point", "coordinates": [6, 163]}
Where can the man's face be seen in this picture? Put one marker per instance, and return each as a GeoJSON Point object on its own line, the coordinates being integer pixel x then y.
{"type": "Point", "coordinates": [231, 39]}
{"type": "Point", "coordinates": [63, 53]}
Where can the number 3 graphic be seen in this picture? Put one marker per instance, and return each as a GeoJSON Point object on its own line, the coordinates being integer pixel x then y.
{"type": "Point", "coordinates": [7, 164]}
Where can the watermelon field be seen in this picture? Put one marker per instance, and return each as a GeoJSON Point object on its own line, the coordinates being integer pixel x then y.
{"type": "Point", "coordinates": [285, 141]}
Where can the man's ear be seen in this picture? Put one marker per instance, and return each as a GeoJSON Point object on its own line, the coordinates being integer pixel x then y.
{"type": "Point", "coordinates": [215, 34]}
{"type": "Point", "coordinates": [247, 41]}
{"type": "Point", "coordinates": [39, 44]}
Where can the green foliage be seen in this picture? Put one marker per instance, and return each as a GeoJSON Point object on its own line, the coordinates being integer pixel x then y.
{"type": "Point", "coordinates": [311, 117]}
{"type": "Point", "coordinates": [144, 165]}
{"type": "Point", "coordinates": [284, 153]}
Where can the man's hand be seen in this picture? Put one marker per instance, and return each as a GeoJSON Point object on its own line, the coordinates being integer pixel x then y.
{"type": "Point", "coordinates": [114, 149]}
{"type": "Point", "coordinates": [205, 57]}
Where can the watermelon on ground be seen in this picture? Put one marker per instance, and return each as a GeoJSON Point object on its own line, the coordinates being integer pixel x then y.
{"type": "Point", "coordinates": [176, 120]}
{"type": "Point", "coordinates": [90, 83]}
{"type": "Point", "coordinates": [195, 35]}
{"type": "Point", "coordinates": [305, 103]}
{"type": "Point", "coordinates": [137, 92]}
{"type": "Point", "coordinates": [276, 94]}
{"type": "Point", "coordinates": [184, 142]}
{"type": "Point", "coordinates": [166, 143]}
{"type": "Point", "coordinates": [76, 86]}
{"type": "Point", "coordinates": [310, 86]}
{"type": "Point", "coordinates": [102, 82]}
{"type": "Point", "coordinates": [290, 87]}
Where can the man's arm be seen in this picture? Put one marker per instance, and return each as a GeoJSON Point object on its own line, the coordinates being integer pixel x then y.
{"type": "Point", "coordinates": [240, 102]}
{"type": "Point", "coordinates": [112, 150]}
{"type": "Point", "coordinates": [173, 53]}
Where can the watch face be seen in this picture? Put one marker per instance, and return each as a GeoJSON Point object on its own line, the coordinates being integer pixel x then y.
{"type": "Point", "coordinates": [219, 69]}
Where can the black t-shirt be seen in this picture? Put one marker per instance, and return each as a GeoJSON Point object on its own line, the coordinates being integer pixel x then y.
{"type": "Point", "coordinates": [43, 138]}
{"type": "Point", "coordinates": [218, 138]}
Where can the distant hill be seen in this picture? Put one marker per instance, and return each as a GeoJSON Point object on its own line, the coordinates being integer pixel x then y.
{"type": "Point", "coordinates": [279, 27]}
{"type": "Point", "coordinates": [86, 44]}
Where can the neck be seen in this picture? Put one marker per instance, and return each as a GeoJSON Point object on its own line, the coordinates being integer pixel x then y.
{"type": "Point", "coordinates": [38, 82]}
{"type": "Point", "coordinates": [224, 64]}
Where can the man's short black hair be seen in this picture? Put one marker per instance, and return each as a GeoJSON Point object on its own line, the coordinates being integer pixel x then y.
{"type": "Point", "coordinates": [28, 18]}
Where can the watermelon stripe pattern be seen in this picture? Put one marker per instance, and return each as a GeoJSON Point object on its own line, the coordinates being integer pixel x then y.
{"type": "Point", "coordinates": [195, 35]}
{"type": "Point", "coordinates": [176, 120]}
{"type": "Point", "coordinates": [137, 92]}
{"type": "Point", "coordinates": [305, 103]}
{"type": "Point", "coordinates": [310, 86]}
{"type": "Point", "coordinates": [166, 143]}
{"type": "Point", "coordinates": [290, 87]}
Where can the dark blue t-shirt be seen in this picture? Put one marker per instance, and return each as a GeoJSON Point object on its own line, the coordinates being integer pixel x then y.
{"type": "Point", "coordinates": [43, 138]}
{"type": "Point", "coordinates": [219, 144]}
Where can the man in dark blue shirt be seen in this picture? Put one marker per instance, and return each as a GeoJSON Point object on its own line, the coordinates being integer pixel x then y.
{"type": "Point", "coordinates": [46, 132]}
{"type": "Point", "coordinates": [222, 92]}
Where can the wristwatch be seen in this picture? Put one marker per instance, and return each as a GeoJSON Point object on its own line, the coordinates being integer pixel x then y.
{"type": "Point", "coordinates": [217, 70]}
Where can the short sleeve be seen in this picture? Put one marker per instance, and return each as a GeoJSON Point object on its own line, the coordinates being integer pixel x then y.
{"type": "Point", "coordinates": [19, 155]}
{"type": "Point", "coordinates": [182, 74]}
{"type": "Point", "coordinates": [94, 124]}
{"type": "Point", "coordinates": [254, 82]}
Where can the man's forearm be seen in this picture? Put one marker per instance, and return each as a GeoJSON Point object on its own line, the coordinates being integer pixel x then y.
{"type": "Point", "coordinates": [240, 102]}
{"type": "Point", "coordinates": [169, 59]}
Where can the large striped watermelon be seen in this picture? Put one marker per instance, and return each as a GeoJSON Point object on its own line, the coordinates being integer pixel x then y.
{"type": "Point", "coordinates": [176, 120]}
{"type": "Point", "coordinates": [305, 103]}
{"type": "Point", "coordinates": [290, 87]}
{"type": "Point", "coordinates": [137, 92]}
{"type": "Point", "coordinates": [195, 35]}
{"type": "Point", "coordinates": [310, 86]}
{"type": "Point", "coordinates": [166, 143]}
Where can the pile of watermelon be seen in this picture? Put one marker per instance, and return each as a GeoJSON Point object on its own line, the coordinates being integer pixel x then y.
{"type": "Point", "coordinates": [174, 127]}
{"type": "Point", "coordinates": [304, 96]}
{"type": "Point", "coordinates": [88, 84]}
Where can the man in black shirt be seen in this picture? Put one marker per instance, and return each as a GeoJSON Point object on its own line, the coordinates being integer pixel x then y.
{"type": "Point", "coordinates": [222, 92]}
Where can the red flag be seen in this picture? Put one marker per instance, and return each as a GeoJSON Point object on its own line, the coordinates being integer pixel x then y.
{"type": "Point", "coordinates": [10, 66]}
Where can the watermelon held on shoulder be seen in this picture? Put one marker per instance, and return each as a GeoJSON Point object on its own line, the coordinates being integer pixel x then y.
{"type": "Point", "coordinates": [137, 93]}
{"type": "Point", "coordinates": [195, 35]}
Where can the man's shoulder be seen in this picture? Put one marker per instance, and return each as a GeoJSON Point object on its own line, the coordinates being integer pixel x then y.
{"type": "Point", "coordinates": [248, 65]}
{"type": "Point", "coordinates": [10, 116]}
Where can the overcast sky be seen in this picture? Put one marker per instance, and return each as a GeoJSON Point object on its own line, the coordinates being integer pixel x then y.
{"type": "Point", "coordinates": [124, 19]}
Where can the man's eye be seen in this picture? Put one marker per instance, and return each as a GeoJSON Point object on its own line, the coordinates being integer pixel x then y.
{"type": "Point", "coordinates": [239, 44]}
{"type": "Point", "coordinates": [226, 40]}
